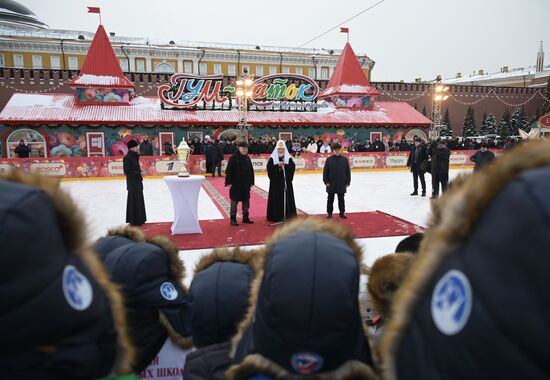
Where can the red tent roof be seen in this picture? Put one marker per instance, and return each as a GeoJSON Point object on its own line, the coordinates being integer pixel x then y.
{"type": "Point", "coordinates": [55, 109]}
{"type": "Point", "coordinates": [348, 77]}
{"type": "Point", "coordinates": [101, 67]}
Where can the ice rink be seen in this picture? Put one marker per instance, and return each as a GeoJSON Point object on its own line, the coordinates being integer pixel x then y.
{"type": "Point", "coordinates": [104, 203]}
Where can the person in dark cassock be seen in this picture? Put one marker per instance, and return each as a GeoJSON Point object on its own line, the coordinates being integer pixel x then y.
{"type": "Point", "coordinates": [135, 206]}
{"type": "Point", "coordinates": [280, 167]}
{"type": "Point", "coordinates": [337, 178]}
{"type": "Point", "coordinates": [239, 174]}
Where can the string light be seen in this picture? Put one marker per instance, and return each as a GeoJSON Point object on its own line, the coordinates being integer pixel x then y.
{"type": "Point", "coordinates": [61, 84]}
{"type": "Point", "coordinates": [455, 96]}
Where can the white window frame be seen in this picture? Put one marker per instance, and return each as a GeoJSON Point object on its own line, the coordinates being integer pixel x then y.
{"type": "Point", "coordinates": [272, 70]}
{"type": "Point", "coordinates": [286, 70]}
{"type": "Point", "coordinates": [2, 60]}
{"type": "Point", "coordinates": [299, 71]}
{"type": "Point", "coordinates": [123, 62]}
{"type": "Point", "coordinates": [188, 67]}
{"type": "Point", "coordinates": [247, 67]}
{"type": "Point", "coordinates": [217, 68]}
{"type": "Point", "coordinates": [73, 63]}
{"type": "Point", "coordinates": [324, 73]}
{"type": "Point", "coordinates": [55, 62]}
{"type": "Point", "coordinates": [203, 69]}
{"type": "Point", "coordinates": [311, 73]}
{"type": "Point", "coordinates": [140, 65]}
{"type": "Point", "coordinates": [18, 57]}
{"type": "Point", "coordinates": [36, 61]}
{"type": "Point", "coordinates": [259, 71]}
{"type": "Point", "coordinates": [231, 70]}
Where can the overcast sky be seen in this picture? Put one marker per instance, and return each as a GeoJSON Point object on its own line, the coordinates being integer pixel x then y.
{"type": "Point", "coordinates": [407, 39]}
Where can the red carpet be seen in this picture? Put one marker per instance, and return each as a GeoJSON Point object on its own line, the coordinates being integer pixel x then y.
{"type": "Point", "coordinates": [215, 187]}
{"type": "Point", "coordinates": [218, 233]}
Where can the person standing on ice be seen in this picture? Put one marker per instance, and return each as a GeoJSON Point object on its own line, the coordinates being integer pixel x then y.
{"type": "Point", "coordinates": [280, 169]}
{"type": "Point", "coordinates": [418, 155]}
{"type": "Point", "coordinates": [337, 178]}
{"type": "Point", "coordinates": [440, 168]}
{"type": "Point", "coordinates": [135, 205]}
{"type": "Point", "coordinates": [239, 174]}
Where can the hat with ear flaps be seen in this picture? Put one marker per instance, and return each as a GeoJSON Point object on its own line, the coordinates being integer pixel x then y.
{"type": "Point", "coordinates": [304, 320]}
{"type": "Point", "coordinates": [484, 257]}
{"type": "Point", "coordinates": [150, 274]}
{"type": "Point", "coordinates": [60, 316]}
{"type": "Point", "coordinates": [219, 294]}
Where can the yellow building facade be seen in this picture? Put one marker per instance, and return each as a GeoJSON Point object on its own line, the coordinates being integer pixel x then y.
{"type": "Point", "coordinates": [39, 48]}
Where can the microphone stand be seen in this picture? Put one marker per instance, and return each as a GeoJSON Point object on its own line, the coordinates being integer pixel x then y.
{"type": "Point", "coordinates": [284, 199]}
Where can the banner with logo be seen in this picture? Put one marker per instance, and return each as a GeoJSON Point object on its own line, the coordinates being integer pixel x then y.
{"type": "Point", "coordinates": [90, 167]}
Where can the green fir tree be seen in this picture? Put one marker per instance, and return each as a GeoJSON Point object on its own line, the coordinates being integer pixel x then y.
{"type": "Point", "coordinates": [489, 126]}
{"type": "Point", "coordinates": [469, 128]}
{"type": "Point", "coordinates": [505, 125]}
{"type": "Point", "coordinates": [519, 120]}
{"type": "Point", "coordinates": [446, 128]}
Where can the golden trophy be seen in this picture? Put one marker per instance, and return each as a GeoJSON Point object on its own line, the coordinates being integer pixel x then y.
{"type": "Point", "coordinates": [183, 151]}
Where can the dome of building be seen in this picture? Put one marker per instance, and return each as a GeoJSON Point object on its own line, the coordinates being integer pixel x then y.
{"type": "Point", "coordinates": [14, 13]}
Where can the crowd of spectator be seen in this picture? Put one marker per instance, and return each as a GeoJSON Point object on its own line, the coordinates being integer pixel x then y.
{"type": "Point", "coordinates": [302, 144]}
{"type": "Point", "coordinates": [303, 306]}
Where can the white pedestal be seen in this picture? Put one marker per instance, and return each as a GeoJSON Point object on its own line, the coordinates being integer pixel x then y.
{"type": "Point", "coordinates": [185, 197]}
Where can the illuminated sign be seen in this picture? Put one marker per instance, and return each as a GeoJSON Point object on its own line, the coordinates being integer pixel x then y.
{"type": "Point", "coordinates": [187, 91]}
{"type": "Point", "coordinates": [277, 92]}
{"type": "Point", "coordinates": [284, 92]}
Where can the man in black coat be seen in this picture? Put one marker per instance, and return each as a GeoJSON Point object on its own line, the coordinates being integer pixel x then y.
{"type": "Point", "coordinates": [378, 146]}
{"type": "Point", "coordinates": [416, 157]}
{"type": "Point", "coordinates": [135, 205]}
{"type": "Point", "coordinates": [337, 178]}
{"type": "Point", "coordinates": [239, 174]}
{"type": "Point", "coordinates": [168, 149]}
{"type": "Point", "coordinates": [214, 155]}
{"type": "Point", "coordinates": [404, 145]}
{"type": "Point", "coordinates": [482, 157]}
{"type": "Point", "coordinates": [440, 168]}
{"type": "Point", "coordinates": [22, 150]}
{"type": "Point", "coordinates": [145, 148]}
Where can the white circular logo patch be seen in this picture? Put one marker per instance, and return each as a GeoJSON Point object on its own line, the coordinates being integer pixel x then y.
{"type": "Point", "coordinates": [168, 291]}
{"type": "Point", "coordinates": [452, 302]}
{"type": "Point", "coordinates": [77, 289]}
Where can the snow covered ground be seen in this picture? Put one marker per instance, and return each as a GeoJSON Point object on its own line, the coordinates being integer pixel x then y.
{"type": "Point", "coordinates": [104, 204]}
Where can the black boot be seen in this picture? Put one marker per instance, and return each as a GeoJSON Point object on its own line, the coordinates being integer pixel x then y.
{"type": "Point", "coordinates": [414, 193]}
{"type": "Point", "coordinates": [234, 222]}
{"type": "Point", "coordinates": [329, 216]}
{"type": "Point", "coordinates": [343, 216]}
{"type": "Point", "coordinates": [247, 221]}
{"type": "Point", "coordinates": [424, 193]}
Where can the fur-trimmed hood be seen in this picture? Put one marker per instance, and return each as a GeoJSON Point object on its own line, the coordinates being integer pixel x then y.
{"type": "Point", "coordinates": [152, 276]}
{"type": "Point", "coordinates": [56, 295]}
{"type": "Point", "coordinates": [484, 256]}
{"type": "Point", "coordinates": [304, 312]}
{"type": "Point", "coordinates": [385, 278]}
{"type": "Point", "coordinates": [219, 294]}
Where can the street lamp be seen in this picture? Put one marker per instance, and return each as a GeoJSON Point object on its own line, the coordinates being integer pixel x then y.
{"type": "Point", "coordinates": [440, 94]}
{"type": "Point", "coordinates": [243, 92]}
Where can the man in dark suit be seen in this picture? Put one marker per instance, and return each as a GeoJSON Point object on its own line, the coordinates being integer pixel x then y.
{"type": "Point", "coordinates": [440, 168]}
{"type": "Point", "coordinates": [239, 174]}
{"type": "Point", "coordinates": [419, 154]}
{"type": "Point", "coordinates": [337, 178]}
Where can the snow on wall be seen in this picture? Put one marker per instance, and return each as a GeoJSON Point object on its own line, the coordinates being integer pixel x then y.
{"type": "Point", "coordinates": [100, 80]}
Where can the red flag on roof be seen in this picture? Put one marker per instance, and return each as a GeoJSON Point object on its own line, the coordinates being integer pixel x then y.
{"type": "Point", "coordinates": [94, 10]}
{"type": "Point", "coordinates": [344, 30]}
